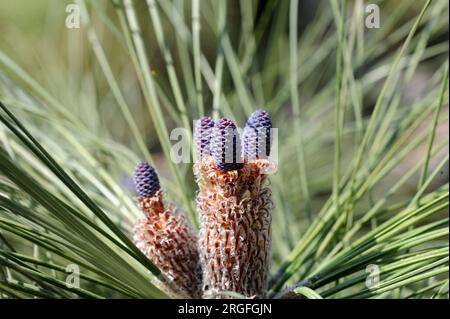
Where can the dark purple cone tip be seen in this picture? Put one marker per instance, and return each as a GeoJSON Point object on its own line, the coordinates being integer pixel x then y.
{"type": "Point", "coordinates": [225, 145]}
{"type": "Point", "coordinates": [257, 135]}
{"type": "Point", "coordinates": [202, 136]}
{"type": "Point", "coordinates": [146, 180]}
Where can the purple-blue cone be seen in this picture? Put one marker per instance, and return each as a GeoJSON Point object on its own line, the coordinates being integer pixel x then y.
{"type": "Point", "coordinates": [257, 138]}
{"type": "Point", "coordinates": [146, 180]}
{"type": "Point", "coordinates": [202, 136]}
{"type": "Point", "coordinates": [225, 145]}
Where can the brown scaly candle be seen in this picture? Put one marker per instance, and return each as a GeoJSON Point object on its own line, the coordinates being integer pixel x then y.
{"type": "Point", "coordinates": [165, 237]}
{"type": "Point", "coordinates": [234, 206]}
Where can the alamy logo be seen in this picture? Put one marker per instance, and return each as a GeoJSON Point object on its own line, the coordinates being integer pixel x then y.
{"type": "Point", "coordinates": [73, 17]}
{"type": "Point", "coordinates": [372, 20]}
{"type": "Point", "coordinates": [373, 278]}
{"type": "Point", "coordinates": [73, 279]}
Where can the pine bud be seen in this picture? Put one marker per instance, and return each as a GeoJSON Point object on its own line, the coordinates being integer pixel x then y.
{"type": "Point", "coordinates": [225, 145]}
{"type": "Point", "coordinates": [202, 136]}
{"type": "Point", "coordinates": [146, 180]}
{"type": "Point", "coordinates": [257, 136]}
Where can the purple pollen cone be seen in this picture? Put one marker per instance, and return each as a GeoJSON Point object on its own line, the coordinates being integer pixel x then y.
{"type": "Point", "coordinates": [257, 137]}
{"type": "Point", "coordinates": [202, 136]}
{"type": "Point", "coordinates": [225, 145]}
{"type": "Point", "coordinates": [146, 180]}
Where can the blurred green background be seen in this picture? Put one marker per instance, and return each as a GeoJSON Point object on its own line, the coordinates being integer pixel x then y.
{"type": "Point", "coordinates": [72, 110]}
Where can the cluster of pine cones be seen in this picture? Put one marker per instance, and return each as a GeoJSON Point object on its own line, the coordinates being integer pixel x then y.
{"type": "Point", "coordinates": [231, 251]}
